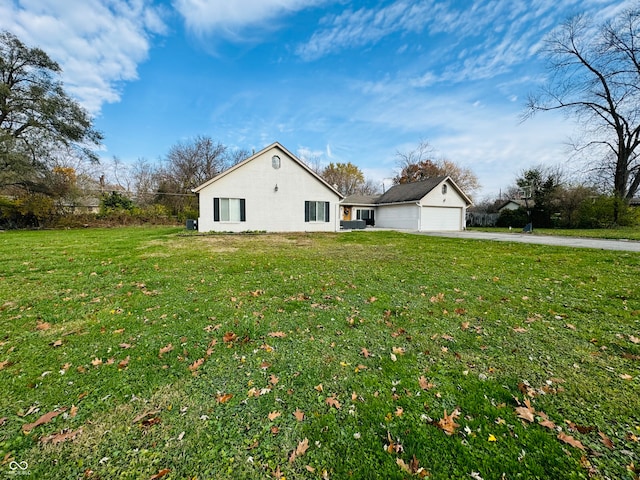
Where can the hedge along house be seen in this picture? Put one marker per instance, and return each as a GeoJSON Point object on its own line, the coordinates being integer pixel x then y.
{"type": "Point", "coordinates": [270, 191]}
{"type": "Point", "coordinates": [436, 204]}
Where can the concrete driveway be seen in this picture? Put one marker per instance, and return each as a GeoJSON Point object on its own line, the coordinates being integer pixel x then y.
{"type": "Point", "coordinates": [623, 245]}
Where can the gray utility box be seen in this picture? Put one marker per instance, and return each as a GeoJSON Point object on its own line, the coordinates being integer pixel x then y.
{"type": "Point", "coordinates": [192, 224]}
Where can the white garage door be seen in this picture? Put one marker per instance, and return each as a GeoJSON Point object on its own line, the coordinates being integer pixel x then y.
{"type": "Point", "coordinates": [436, 219]}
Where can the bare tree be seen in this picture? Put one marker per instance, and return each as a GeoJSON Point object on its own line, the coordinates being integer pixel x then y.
{"type": "Point", "coordinates": [144, 176]}
{"type": "Point", "coordinates": [191, 163]}
{"type": "Point", "coordinates": [595, 77]}
{"type": "Point", "coordinates": [235, 156]}
{"type": "Point", "coordinates": [419, 164]}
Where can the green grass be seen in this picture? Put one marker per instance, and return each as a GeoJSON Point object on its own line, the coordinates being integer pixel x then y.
{"type": "Point", "coordinates": [620, 233]}
{"type": "Point", "coordinates": [486, 325]}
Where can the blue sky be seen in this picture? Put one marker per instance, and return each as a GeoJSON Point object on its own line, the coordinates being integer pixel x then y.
{"type": "Point", "coordinates": [332, 80]}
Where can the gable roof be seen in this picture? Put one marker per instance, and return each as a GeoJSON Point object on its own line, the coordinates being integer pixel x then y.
{"type": "Point", "coordinates": [415, 191]}
{"type": "Point", "coordinates": [257, 154]}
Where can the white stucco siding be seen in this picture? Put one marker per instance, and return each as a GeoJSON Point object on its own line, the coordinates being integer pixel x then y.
{"type": "Point", "coordinates": [403, 217]}
{"type": "Point", "coordinates": [438, 198]}
{"type": "Point", "coordinates": [268, 209]}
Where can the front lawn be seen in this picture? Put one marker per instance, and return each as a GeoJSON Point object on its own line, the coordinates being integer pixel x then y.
{"type": "Point", "coordinates": [145, 353]}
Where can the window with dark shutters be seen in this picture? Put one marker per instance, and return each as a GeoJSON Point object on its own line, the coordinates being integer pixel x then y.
{"type": "Point", "coordinates": [229, 210]}
{"type": "Point", "coordinates": [316, 211]}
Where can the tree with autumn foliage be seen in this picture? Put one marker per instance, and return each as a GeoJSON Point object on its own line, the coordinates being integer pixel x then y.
{"type": "Point", "coordinates": [347, 178]}
{"type": "Point", "coordinates": [420, 164]}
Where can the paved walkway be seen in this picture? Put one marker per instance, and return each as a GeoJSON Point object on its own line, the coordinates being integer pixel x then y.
{"type": "Point", "coordinates": [623, 245]}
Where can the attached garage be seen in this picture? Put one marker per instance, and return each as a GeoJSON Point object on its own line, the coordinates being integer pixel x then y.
{"type": "Point", "coordinates": [441, 219]}
{"type": "Point", "coordinates": [436, 204]}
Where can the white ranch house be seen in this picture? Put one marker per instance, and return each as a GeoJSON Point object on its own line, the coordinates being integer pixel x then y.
{"type": "Point", "coordinates": [271, 191]}
{"type": "Point", "coordinates": [274, 191]}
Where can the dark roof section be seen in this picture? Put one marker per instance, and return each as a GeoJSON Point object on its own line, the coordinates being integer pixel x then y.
{"type": "Point", "coordinates": [409, 192]}
{"type": "Point", "coordinates": [360, 200]}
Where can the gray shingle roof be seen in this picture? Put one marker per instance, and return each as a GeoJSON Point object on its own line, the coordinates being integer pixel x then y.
{"type": "Point", "coordinates": [360, 200]}
{"type": "Point", "coordinates": [409, 192]}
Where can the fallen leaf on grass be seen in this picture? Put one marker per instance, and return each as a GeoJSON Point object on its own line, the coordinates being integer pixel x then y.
{"type": "Point", "coordinates": [57, 343]}
{"type": "Point", "coordinates": [61, 437]}
{"type": "Point", "coordinates": [365, 352]}
{"type": "Point", "coordinates": [277, 334]}
{"type": "Point", "coordinates": [633, 339]}
{"type": "Point", "coordinates": [3, 364]}
{"type": "Point", "coordinates": [626, 376]}
{"type": "Point", "coordinates": [149, 422]}
{"type": "Point", "coordinates": [333, 402]}
{"type": "Point", "coordinates": [74, 411]}
{"type": "Point", "coordinates": [3, 420]}
{"type": "Point", "coordinates": [273, 415]}
{"type": "Point", "coordinates": [520, 330]}
{"type": "Point", "coordinates": [223, 398]}
{"type": "Point", "coordinates": [125, 345]}
{"type": "Point", "coordinates": [447, 422]}
{"type": "Point", "coordinates": [195, 365]}
{"type": "Point", "coordinates": [96, 362]}
{"type": "Point", "coordinates": [319, 388]}
{"type": "Point", "coordinates": [299, 414]}
{"type": "Point", "coordinates": [569, 440]}
{"type": "Point", "coordinates": [606, 440]}
{"type": "Point", "coordinates": [124, 363]}
{"type": "Point", "coordinates": [527, 412]}
{"type": "Point", "coordinates": [160, 474]}
{"type": "Point", "coordinates": [165, 349]}
{"type": "Point", "coordinates": [300, 450]}
{"type": "Point", "coordinates": [146, 414]}
{"type": "Point", "coordinates": [413, 467]}
{"type": "Point", "coordinates": [43, 326]}
{"type": "Point", "coordinates": [393, 447]}
{"type": "Point", "coordinates": [548, 423]}
{"type": "Point", "coordinates": [398, 350]}
{"type": "Point", "coordinates": [120, 330]}
{"type": "Point", "coordinates": [46, 418]}
{"type": "Point", "coordinates": [425, 384]}
{"type": "Point", "coordinates": [229, 337]}
{"type": "Point", "coordinates": [580, 428]}
{"type": "Point", "coordinates": [437, 298]}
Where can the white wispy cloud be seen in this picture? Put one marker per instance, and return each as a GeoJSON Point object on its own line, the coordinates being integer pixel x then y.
{"type": "Point", "coordinates": [484, 38]}
{"type": "Point", "coordinates": [98, 43]}
{"type": "Point", "coordinates": [230, 18]}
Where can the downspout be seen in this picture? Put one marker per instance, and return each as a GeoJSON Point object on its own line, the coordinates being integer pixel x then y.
{"type": "Point", "coordinates": [419, 216]}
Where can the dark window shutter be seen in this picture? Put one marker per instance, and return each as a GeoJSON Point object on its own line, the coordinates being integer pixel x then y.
{"type": "Point", "coordinates": [243, 215]}
{"type": "Point", "coordinates": [307, 207]}
{"type": "Point", "coordinates": [326, 211]}
{"type": "Point", "coordinates": [216, 209]}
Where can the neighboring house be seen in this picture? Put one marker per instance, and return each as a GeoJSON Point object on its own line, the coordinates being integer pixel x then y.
{"type": "Point", "coordinates": [270, 191]}
{"type": "Point", "coordinates": [436, 204]}
{"type": "Point", "coordinates": [515, 204]}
